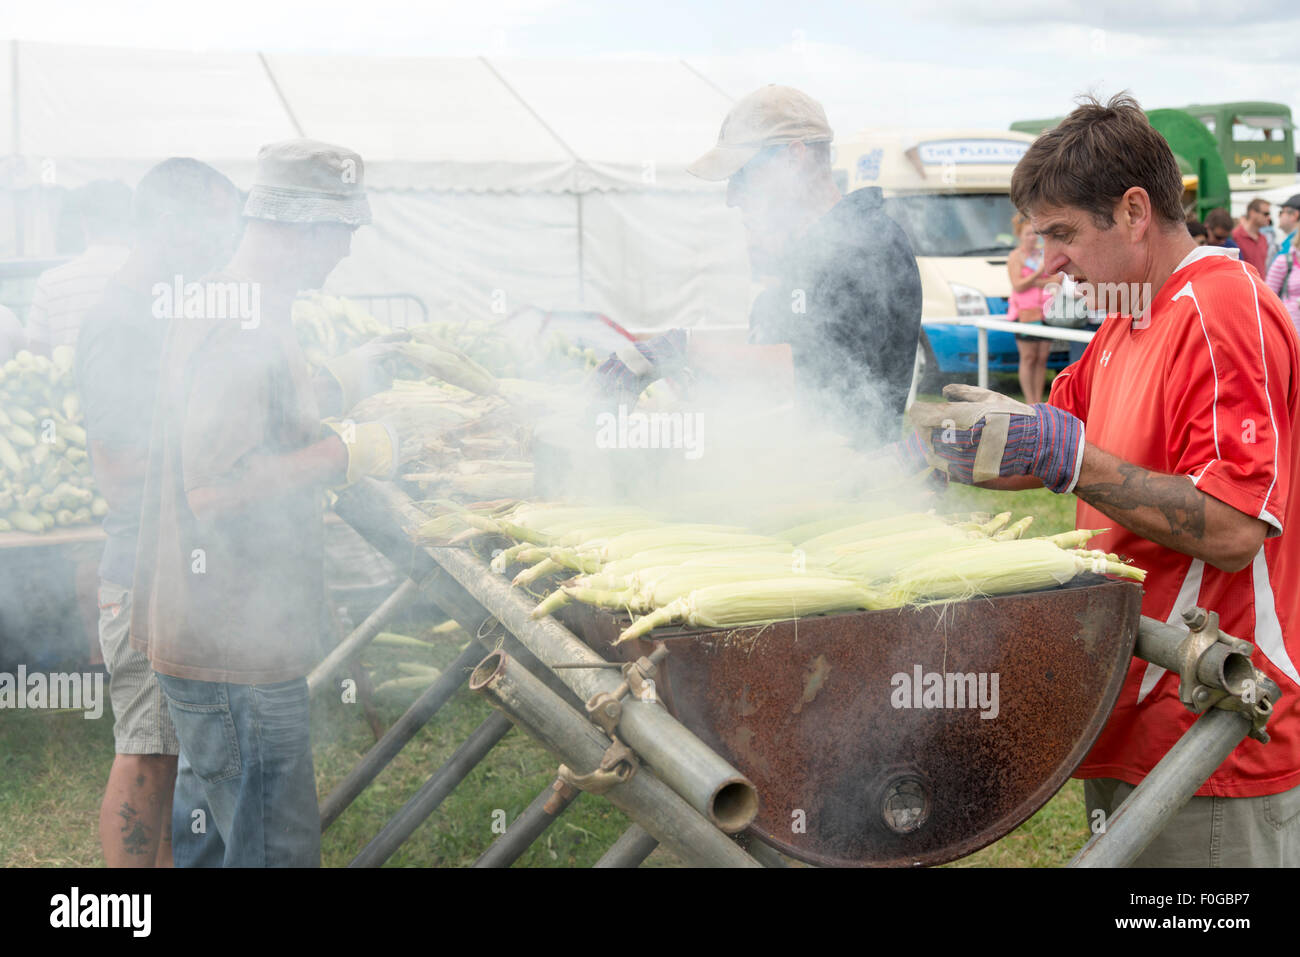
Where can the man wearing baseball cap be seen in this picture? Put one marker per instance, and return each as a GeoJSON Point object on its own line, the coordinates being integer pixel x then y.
{"type": "Point", "coordinates": [229, 577]}
{"type": "Point", "coordinates": [843, 287]}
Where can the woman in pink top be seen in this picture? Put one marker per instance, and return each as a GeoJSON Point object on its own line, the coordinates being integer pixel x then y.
{"type": "Point", "coordinates": [1284, 279]}
{"type": "Point", "coordinates": [1025, 266]}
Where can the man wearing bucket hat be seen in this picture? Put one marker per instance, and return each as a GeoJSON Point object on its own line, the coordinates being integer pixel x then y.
{"type": "Point", "coordinates": [229, 573]}
{"type": "Point", "coordinates": [843, 289]}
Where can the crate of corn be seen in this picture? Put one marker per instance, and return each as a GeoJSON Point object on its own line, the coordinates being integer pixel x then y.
{"type": "Point", "coordinates": [45, 477]}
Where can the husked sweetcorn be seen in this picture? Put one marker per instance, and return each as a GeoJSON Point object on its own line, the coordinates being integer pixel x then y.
{"type": "Point", "coordinates": [758, 602]}
{"type": "Point", "coordinates": [998, 568]}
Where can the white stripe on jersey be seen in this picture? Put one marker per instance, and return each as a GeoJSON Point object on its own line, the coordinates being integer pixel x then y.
{"type": "Point", "coordinates": [1188, 594]}
{"type": "Point", "coordinates": [1263, 511]}
{"type": "Point", "coordinates": [1187, 290]}
{"type": "Point", "coordinates": [1268, 629]}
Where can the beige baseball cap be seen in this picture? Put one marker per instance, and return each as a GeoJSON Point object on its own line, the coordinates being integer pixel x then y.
{"type": "Point", "coordinates": [770, 116]}
{"type": "Point", "coordinates": [306, 181]}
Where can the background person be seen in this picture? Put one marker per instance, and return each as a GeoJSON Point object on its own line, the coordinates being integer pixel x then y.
{"type": "Point", "coordinates": [1028, 296]}
{"type": "Point", "coordinates": [1218, 229]}
{"type": "Point", "coordinates": [1288, 218]}
{"type": "Point", "coordinates": [186, 222]}
{"type": "Point", "coordinates": [64, 293]}
{"type": "Point", "coordinates": [1284, 279]}
{"type": "Point", "coordinates": [1197, 231]}
{"type": "Point", "coordinates": [229, 570]}
{"type": "Point", "coordinates": [13, 337]}
{"type": "Point", "coordinates": [1249, 237]}
{"type": "Point", "coordinates": [844, 290]}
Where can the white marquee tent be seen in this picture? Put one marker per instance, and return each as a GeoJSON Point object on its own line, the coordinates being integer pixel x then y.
{"type": "Point", "coordinates": [494, 183]}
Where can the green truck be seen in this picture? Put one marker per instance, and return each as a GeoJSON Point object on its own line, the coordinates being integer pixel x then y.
{"type": "Point", "coordinates": [1221, 148]}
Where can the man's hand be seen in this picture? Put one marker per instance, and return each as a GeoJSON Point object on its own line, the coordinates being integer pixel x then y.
{"type": "Point", "coordinates": [367, 369]}
{"type": "Point", "coordinates": [983, 436]}
{"type": "Point", "coordinates": [372, 448]}
{"type": "Point", "coordinates": [637, 364]}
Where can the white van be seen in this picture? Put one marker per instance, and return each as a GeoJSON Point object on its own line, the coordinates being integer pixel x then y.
{"type": "Point", "coordinates": [949, 191]}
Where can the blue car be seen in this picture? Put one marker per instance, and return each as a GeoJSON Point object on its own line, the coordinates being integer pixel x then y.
{"type": "Point", "coordinates": [953, 350]}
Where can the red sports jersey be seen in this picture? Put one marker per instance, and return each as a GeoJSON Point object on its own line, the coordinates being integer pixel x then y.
{"type": "Point", "coordinates": [1209, 389]}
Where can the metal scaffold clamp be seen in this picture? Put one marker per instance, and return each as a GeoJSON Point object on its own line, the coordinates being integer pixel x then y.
{"type": "Point", "coordinates": [617, 765]}
{"type": "Point", "coordinates": [605, 710]}
{"type": "Point", "coordinates": [1246, 689]}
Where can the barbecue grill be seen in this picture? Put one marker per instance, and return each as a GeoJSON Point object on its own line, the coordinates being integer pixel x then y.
{"type": "Point", "coordinates": [827, 715]}
{"type": "Point", "coordinates": [902, 737]}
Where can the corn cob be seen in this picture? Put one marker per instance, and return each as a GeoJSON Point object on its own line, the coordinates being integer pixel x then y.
{"type": "Point", "coordinates": [912, 521]}
{"type": "Point", "coordinates": [997, 568]}
{"type": "Point", "coordinates": [589, 556]}
{"type": "Point", "coordinates": [407, 683]}
{"type": "Point", "coordinates": [1075, 538]}
{"type": "Point", "coordinates": [755, 603]}
{"type": "Point", "coordinates": [879, 558]}
{"type": "Point", "coordinates": [680, 582]}
{"type": "Point", "coordinates": [616, 576]}
{"type": "Point", "coordinates": [1014, 530]}
{"type": "Point", "coordinates": [448, 363]}
{"type": "Point", "coordinates": [392, 640]}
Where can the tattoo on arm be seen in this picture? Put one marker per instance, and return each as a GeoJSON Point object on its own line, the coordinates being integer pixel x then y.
{"type": "Point", "coordinates": [136, 838]}
{"type": "Point", "coordinates": [1177, 499]}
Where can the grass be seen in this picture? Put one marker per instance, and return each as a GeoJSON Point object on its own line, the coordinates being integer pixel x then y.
{"type": "Point", "coordinates": [53, 768]}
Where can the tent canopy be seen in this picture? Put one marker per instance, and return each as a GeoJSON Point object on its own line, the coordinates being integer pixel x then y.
{"type": "Point", "coordinates": [473, 124]}
{"type": "Point", "coordinates": [495, 184]}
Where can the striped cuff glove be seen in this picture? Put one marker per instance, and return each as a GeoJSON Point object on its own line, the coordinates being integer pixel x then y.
{"type": "Point", "coordinates": [1047, 444]}
{"type": "Point", "coordinates": [639, 362]}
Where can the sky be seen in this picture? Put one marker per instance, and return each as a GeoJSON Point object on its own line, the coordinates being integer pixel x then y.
{"type": "Point", "coordinates": [912, 63]}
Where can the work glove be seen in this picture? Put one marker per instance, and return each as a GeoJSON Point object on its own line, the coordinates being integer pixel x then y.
{"type": "Point", "coordinates": [983, 435]}
{"type": "Point", "coordinates": [372, 447]}
{"type": "Point", "coordinates": [368, 368]}
{"type": "Point", "coordinates": [637, 364]}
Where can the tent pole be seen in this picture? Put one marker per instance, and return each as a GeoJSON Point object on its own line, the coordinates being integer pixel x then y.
{"type": "Point", "coordinates": [582, 285]}
{"type": "Point", "coordinates": [17, 147]}
{"type": "Point", "coordinates": [284, 101]}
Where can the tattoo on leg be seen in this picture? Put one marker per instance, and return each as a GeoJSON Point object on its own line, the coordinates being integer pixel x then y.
{"type": "Point", "coordinates": [135, 835]}
{"type": "Point", "coordinates": [1173, 495]}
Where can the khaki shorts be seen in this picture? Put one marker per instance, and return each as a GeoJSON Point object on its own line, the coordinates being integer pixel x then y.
{"type": "Point", "coordinates": [141, 722]}
{"type": "Point", "coordinates": [1214, 831]}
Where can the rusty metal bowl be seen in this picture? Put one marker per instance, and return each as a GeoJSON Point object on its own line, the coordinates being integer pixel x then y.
{"type": "Point", "coordinates": [851, 770]}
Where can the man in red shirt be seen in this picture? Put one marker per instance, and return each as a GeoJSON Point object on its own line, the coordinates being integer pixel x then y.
{"type": "Point", "coordinates": [1176, 430]}
{"type": "Point", "coordinates": [1253, 244]}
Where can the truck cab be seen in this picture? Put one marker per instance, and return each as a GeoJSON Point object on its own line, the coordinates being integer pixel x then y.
{"type": "Point", "coordinates": [949, 190]}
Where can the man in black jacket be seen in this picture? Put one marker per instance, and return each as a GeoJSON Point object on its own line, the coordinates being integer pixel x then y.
{"type": "Point", "coordinates": [842, 286]}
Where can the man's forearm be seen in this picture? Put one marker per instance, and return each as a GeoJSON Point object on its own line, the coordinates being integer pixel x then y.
{"type": "Point", "coordinates": [1169, 510]}
{"type": "Point", "coordinates": [320, 464]}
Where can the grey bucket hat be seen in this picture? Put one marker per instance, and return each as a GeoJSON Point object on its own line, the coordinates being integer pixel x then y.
{"type": "Point", "coordinates": [306, 181]}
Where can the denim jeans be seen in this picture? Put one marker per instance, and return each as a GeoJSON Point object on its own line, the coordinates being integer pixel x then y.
{"type": "Point", "coordinates": [245, 785]}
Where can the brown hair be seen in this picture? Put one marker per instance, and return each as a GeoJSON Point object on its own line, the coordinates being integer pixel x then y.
{"type": "Point", "coordinates": [1093, 157]}
{"type": "Point", "coordinates": [1256, 205]}
{"type": "Point", "coordinates": [1218, 219]}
